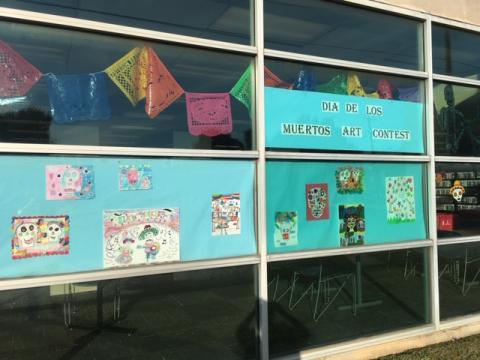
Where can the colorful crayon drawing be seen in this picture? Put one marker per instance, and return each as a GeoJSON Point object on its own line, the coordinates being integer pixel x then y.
{"type": "Point", "coordinates": [400, 194]}
{"type": "Point", "coordinates": [226, 214]}
{"type": "Point", "coordinates": [135, 177]}
{"type": "Point", "coordinates": [349, 180]}
{"type": "Point", "coordinates": [70, 182]}
{"type": "Point", "coordinates": [286, 228]}
{"type": "Point", "coordinates": [317, 202]}
{"type": "Point", "coordinates": [136, 237]}
{"type": "Point", "coordinates": [40, 236]}
{"type": "Point", "coordinates": [352, 224]}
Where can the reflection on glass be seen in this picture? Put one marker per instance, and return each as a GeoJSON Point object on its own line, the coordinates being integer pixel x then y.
{"type": "Point", "coordinates": [324, 108]}
{"type": "Point", "coordinates": [455, 52]}
{"type": "Point", "coordinates": [458, 199]}
{"type": "Point", "coordinates": [459, 275]}
{"type": "Point", "coordinates": [457, 120]}
{"type": "Point", "coordinates": [101, 90]}
{"type": "Point", "coordinates": [325, 29]}
{"type": "Point", "coordinates": [193, 315]}
{"type": "Point", "coordinates": [325, 300]}
{"type": "Point", "coordinates": [224, 20]}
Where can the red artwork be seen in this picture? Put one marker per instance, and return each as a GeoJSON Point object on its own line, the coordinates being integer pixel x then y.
{"type": "Point", "coordinates": [317, 202]}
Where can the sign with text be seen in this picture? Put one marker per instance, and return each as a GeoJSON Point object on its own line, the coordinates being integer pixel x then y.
{"type": "Point", "coordinates": [313, 120]}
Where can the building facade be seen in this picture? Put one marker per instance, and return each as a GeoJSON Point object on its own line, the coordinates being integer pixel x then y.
{"type": "Point", "coordinates": [236, 179]}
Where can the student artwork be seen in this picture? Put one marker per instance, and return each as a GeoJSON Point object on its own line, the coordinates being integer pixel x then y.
{"type": "Point", "coordinates": [272, 80]}
{"type": "Point", "coordinates": [352, 224]}
{"type": "Point", "coordinates": [243, 89]}
{"type": "Point", "coordinates": [17, 75]}
{"type": "Point", "coordinates": [349, 180]}
{"type": "Point", "coordinates": [400, 194]}
{"type": "Point", "coordinates": [209, 114]}
{"type": "Point", "coordinates": [162, 89]}
{"type": "Point", "coordinates": [40, 236]}
{"type": "Point", "coordinates": [135, 177]}
{"type": "Point", "coordinates": [78, 97]}
{"type": "Point", "coordinates": [286, 228]}
{"type": "Point", "coordinates": [70, 182]}
{"type": "Point", "coordinates": [137, 237]}
{"type": "Point", "coordinates": [317, 202]}
{"type": "Point", "coordinates": [226, 214]}
{"type": "Point", "coordinates": [129, 73]}
{"type": "Point", "coordinates": [457, 191]}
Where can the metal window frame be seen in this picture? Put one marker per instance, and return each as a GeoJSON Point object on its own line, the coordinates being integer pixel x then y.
{"type": "Point", "coordinates": [262, 258]}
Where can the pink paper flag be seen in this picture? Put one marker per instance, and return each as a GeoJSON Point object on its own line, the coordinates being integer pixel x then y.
{"type": "Point", "coordinates": [209, 114]}
{"type": "Point", "coordinates": [17, 75]}
{"type": "Point", "coordinates": [162, 89]}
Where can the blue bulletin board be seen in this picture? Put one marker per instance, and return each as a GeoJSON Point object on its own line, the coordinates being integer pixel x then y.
{"type": "Point", "coordinates": [287, 193]}
{"type": "Point", "coordinates": [312, 120]}
{"type": "Point", "coordinates": [184, 184]}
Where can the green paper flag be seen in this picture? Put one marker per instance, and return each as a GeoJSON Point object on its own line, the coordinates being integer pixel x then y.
{"type": "Point", "coordinates": [338, 85]}
{"type": "Point", "coordinates": [243, 89]}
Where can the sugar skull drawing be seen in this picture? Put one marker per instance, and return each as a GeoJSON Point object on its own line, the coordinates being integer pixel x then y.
{"type": "Point", "coordinates": [71, 180]}
{"type": "Point", "coordinates": [317, 201]}
{"type": "Point", "coordinates": [457, 190]}
{"type": "Point", "coordinates": [27, 234]}
{"type": "Point", "coordinates": [40, 235]}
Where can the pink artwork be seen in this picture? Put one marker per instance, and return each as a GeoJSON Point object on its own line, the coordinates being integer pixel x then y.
{"type": "Point", "coordinates": [70, 182]}
{"type": "Point", "coordinates": [17, 75]}
{"type": "Point", "coordinates": [209, 114]}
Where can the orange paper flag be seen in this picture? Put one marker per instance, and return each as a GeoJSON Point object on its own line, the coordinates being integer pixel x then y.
{"type": "Point", "coordinates": [273, 80]}
{"type": "Point", "coordinates": [162, 89]}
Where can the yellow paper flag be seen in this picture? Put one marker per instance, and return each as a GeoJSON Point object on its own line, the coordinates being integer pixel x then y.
{"type": "Point", "coordinates": [130, 74]}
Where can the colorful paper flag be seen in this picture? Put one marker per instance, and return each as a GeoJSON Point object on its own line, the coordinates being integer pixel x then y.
{"type": "Point", "coordinates": [130, 74]}
{"type": "Point", "coordinates": [78, 97]}
{"type": "Point", "coordinates": [209, 114]}
{"type": "Point", "coordinates": [273, 80]}
{"type": "Point", "coordinates": [243, 89]}
{"type": "Point", "coordinates": [162, 88]}
{"type": "Point", "coordinates": [338, 85]}
{"type": "Point", "coordinates": [17, 75]}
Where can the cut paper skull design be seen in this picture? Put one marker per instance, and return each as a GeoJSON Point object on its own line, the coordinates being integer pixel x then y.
{"type": "Point", "coordinates": [317, 202]}
{"type": "Point", "coordinates": [39, 236]}
{"type": "Point", "coordinates": [349, 180]}
{"type": "Point", "coordinates": [70, 182]}
{"type": "Point", "coordinates": [286, 228]}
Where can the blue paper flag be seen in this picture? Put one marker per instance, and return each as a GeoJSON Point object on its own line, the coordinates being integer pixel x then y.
{"type": "Point", "coordinates": [78, 97]}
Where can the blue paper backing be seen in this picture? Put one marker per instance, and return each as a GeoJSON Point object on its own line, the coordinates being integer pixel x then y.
{"type": "Point", "coordinates": [184, 184]}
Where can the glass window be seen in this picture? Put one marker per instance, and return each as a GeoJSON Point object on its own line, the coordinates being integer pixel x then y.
{"type": "Point", "coordinates": [191, 315]}
{"type": "Point", "coordinates": [73, 214]}
{"type": "Point", "coordinates": [325, 300]}
{"type": "Point", "coordinates": [328, 29]}
{"type": "Point", "coordinates": [326, 108]}
{"type": "Point", "coordinates": [313, 205]}
{"type": "Point", "coordinates": [80, 88]}
{"type": "Point", "coordinates": [224, 20]}
{"type": "Point", "coordinates": [458, 199]}
{"type": "Point", "coordinates": [455, 52]}
{"type": "Point", "coordinates": [458, 272]}
{"type": "Point", "coordinates": [457, 119]}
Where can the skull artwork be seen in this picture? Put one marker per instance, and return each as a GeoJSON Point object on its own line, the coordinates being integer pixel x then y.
{"type": "Point", "coordinates": [317, 201]}
{"type": "Point", "coordinates": [54, 231]}
{"type": "Point", "coordinates": [457, 190]}
{"type": "Point", "coordinates": [72, 180]}
{"type": "Point", "coordinates": [26, 234]}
